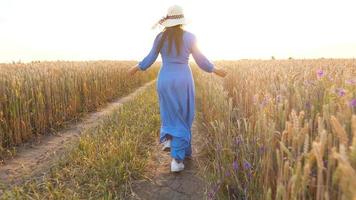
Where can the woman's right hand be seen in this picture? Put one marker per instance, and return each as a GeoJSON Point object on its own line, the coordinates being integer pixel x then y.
{"type": "Point", "coordinates": [220, 72]}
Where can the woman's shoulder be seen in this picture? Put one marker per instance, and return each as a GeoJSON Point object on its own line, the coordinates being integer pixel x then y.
{"type": "Point", "coordinates": [159, 35]}
{"type": "Point", "coordinates": [188, 34]}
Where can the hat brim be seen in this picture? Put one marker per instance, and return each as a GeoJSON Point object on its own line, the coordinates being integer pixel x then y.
{"type": "Point", "coordinates": [174, 22]}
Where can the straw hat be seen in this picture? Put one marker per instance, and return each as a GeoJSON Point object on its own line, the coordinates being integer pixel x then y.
{"type": "Point", "coordinates": [174, 17]}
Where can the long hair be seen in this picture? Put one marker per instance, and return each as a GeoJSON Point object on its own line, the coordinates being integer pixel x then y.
{"type": "Point", "coordinates": [173, 34]}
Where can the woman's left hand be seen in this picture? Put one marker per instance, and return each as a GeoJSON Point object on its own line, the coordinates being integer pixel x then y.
{"type": "Point", "coordinates": [133, 70]}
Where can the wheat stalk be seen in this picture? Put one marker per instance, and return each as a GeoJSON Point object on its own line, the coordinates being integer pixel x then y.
{"type": "Point", "coordinates": [339, 130]}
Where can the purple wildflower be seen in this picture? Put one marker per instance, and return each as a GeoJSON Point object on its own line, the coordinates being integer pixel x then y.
{"type": "Point", "coordinates": [320, 73]}
{"type": "Point", "coordinates": [255, 99]}
{"type": "Point", "coordinates": [308, 105]}
{"type": "Point", "coordinates": [325, 162]}
{"type": "Point", "coordinates": [235, 165]}
{"type": "Point", "coordinates": [278, 98]}
{"type": "Point", "coordinates": [313, 172]}
{"type": "Point", "coordinates": [265, 101]}
{"type": "Point", "coordinates": [215, 188]}
{"type": "Point", "coordinates": [211, 195]}
{"type": "Point", "coordinates": [353, 103]}
{"type": "Point", "coordinates": [227, 174]}
{"type": "Point", "coordinates": [341, 92]}
{"type": "Point", "coordinates": [218, 147]}
{"type": "Point", "coordinates": [238, 141]}
{"type": "Point", "coordinates": [351, 82]}
{"type": "Point", "coordinates": [262, 149]}
{"type": "Point", "coordinates": [247, 165]}
{"type": "Point", "coordinates": [249, 175]}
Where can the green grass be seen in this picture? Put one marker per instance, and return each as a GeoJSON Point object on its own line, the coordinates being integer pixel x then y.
{"type": "Point", "coordinates": [106, 158]}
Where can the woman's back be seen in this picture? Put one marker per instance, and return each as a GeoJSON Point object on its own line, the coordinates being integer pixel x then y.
{"type": "Point", "coordinates": [188, 46]}
{"type": "Point", "coordinates": [173, 56]}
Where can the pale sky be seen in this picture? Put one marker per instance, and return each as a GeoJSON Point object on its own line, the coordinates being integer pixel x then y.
{"type": "Point", "coordinates": [226, 29]}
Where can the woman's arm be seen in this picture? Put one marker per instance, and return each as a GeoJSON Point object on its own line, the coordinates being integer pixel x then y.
{"type": "Point", "coordinates": [148, 60]}
{"type": "Point", "coordinates": [152, 56]}
{"type": "Point", "coordinates": [200, 58]}
{"type": "Point", "coordinates": [203, 62]}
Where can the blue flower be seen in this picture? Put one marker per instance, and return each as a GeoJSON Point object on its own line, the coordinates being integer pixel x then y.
{"type": "Point", "coordinates": [320, 73]}
{"type": "Point", "coordinates": [351, 81]}
{"type": "Point", "coordinates": [265, 102]}
{"type": "Point", "coordinates": [341, 92]}
{"type": "Point", "coordinates": [238, 141]}
{"type": "Point", "coordinates": [278, 98]}
{"type": "Point", "coordinates": [262, 149]}
{"type": "Point", "coordinates": [227, 174]}
{"type": "Point", "coordinates": [247, 165]}
{"type": "Point", "coordinates": [353, 103]}
{"type": "Point", "coordinates": [308, 105]}
{"type": "Point", "coordinates": [235, 165]}
{"type": "Point", "coordinates": [255, 99]}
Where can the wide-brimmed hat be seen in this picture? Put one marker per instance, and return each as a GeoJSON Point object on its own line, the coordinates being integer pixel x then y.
{"type": "Point", "coordinates": [175, 16]}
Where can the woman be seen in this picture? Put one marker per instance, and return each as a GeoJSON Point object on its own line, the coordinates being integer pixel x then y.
{"type": "Point", "coordinates": [175, 84]}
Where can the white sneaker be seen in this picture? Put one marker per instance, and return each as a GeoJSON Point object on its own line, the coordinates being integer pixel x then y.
{"type": "Point", "coordinates": [166, 145]}
{"type": "Point", "coordinates": [176, 167]}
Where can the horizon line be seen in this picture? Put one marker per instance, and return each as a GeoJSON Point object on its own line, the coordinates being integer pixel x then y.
{"type": "Point", "coordinates": [159, 61]}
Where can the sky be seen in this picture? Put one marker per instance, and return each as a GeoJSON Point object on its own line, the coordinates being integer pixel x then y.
{"type": "Point", "coordinates": [225, 29]}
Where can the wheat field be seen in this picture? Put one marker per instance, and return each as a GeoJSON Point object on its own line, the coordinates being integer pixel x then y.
{"type": "Point", "coordinates": [281, 130]}
{"type": "Point", "coordinates": [38, 98]}
{"type": "Point", "coordinates": [273, 129]}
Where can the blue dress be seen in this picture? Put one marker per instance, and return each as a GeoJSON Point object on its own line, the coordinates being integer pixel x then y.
{"type": "Point", "coordinates": [176, 90]}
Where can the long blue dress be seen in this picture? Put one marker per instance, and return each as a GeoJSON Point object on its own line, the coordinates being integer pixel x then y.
{"type": "Point", "coordinates": [176, 90]}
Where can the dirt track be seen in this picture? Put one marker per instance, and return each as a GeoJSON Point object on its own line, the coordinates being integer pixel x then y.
{"type": "Point", "coordinates": [161, 184]}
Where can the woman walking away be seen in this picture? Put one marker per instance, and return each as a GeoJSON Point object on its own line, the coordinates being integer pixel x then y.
{"type": "Point", "coordinates": [175, 84]}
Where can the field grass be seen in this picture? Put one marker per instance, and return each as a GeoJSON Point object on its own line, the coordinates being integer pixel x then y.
{"type": "Point", "coordinates": [280, 130]}
{"type": "Point", "coordinates": [37, 98]}
{"type": "Point", "coordinates": [106, 158]}
{"type": "Point", "coordinates": [273, 130]}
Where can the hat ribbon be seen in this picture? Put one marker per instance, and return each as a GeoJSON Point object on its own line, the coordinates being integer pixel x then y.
{"type": "Point", "coordinates": [165, 18]}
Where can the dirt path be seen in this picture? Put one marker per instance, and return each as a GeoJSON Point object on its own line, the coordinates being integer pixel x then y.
{"type": "Point", "coordinates": [164, 185]}
{"type": "Point", "coordinates": [35, 160]}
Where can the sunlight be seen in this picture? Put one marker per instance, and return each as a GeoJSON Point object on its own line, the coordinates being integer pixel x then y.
{"type": "Point", "coordinates": [226, 29]}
